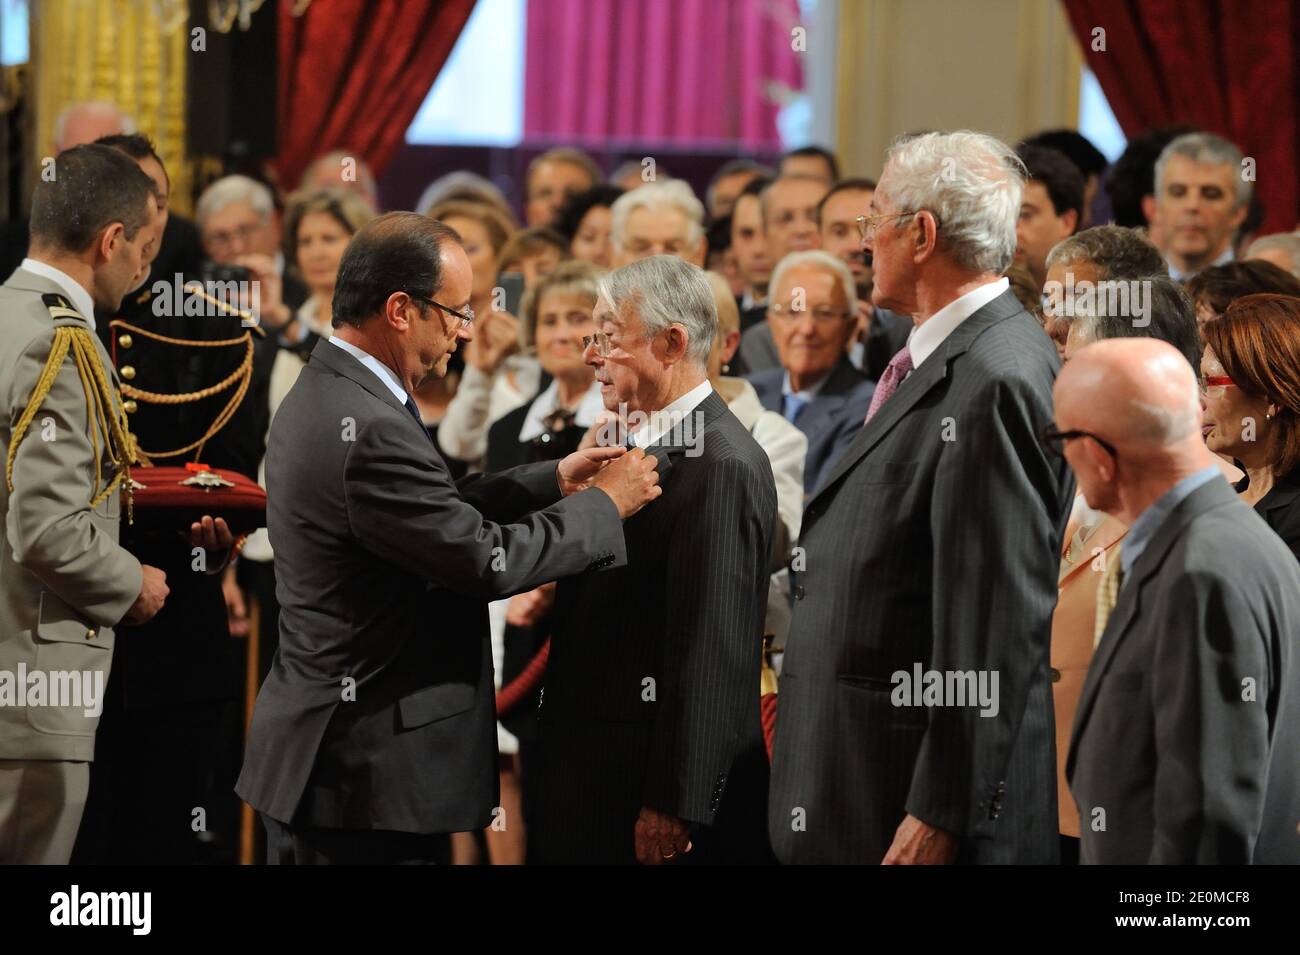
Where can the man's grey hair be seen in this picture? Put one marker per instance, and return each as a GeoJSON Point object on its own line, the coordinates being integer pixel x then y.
{"type": "Point", "coordinates": [665, 289]}
{"type": "Point", "coordinates": [1116, 252]}
{"type": "Point", "coordinates": [464, 185]}
{"type": "Point", "coordinates": [231, 189]}
{"type": "Point", "coordinates": [672, 193]}
{"type": "Point", "coordinates": [1209, 149]}
{"type": "Point", "coordinates": [1171, 318]}
{"type": "Point", "coordinates": [822, 260]}
{"type": "Point", "coordinates": [971, 182]}
{"type": "Point", "coordinates": [1288, 242]}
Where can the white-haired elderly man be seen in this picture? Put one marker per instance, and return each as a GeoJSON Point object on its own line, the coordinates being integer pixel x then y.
{"type": "Point", "coordinates": [238, 226]}
{"type": "Point", "coordinates": [659, 218]}
{"type": "Point", "coordinates": [915, 723]}
{"type": "Point", "coordinates": [1201, 200]}
{"type": "Point", "coordinates": [812, 315]}
{"type": "Point", "coordinates": [650, 720]}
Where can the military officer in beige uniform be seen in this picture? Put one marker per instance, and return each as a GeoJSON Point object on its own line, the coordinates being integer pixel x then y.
{"type": "Point", "coordinates": [64, 580]}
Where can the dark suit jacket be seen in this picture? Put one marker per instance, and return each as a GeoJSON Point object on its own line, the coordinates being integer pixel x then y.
{"type": "Point", "coordinates": [933, 540]}
{"type": "Point", "coordinates": [652, 688]}
{"type": "Point", "coordinates": [829, 421]}
{"type": "Point", "coordinates": [1280, 508]}
{"type": "Point", "coordinates": [378, 712]}
{"type": "Point", "coordinates": [1186, 762]}
{"type": "Point", "coordinates": [886, 336]}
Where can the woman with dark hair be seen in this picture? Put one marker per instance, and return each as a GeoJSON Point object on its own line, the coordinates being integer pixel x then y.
{"type": "Point", "coordinates": [1212, 290]}
{"type": "Point", "coordinates": [1250, 387]}
{"type": "Point", "coordinates": [584, 220]}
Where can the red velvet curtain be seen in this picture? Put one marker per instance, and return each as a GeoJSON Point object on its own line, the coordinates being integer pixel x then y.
{"type": "Point", "coordinates": [675, 72]}
{"type": "Point", "coordinates": [353, 73]}
{"type": "Point", "coordinates": [1231, 67]}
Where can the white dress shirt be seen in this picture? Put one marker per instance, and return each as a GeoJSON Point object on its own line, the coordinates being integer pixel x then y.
{"type": "Point", "coordinates": [381, 371]}
{"type": "Point", "coordinates": [664, 420]}
{"type": "Point", "coordinates": [76, 293]}
{"type": "Point", "coordinates": [931, 333]}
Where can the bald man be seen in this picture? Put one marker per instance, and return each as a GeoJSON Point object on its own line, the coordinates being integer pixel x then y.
{"type": "Point", "coordinates": [1186, 741]}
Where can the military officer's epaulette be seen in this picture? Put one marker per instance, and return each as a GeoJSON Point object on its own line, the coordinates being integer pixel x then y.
{"type": "Point", "coordinates": [61, 308]}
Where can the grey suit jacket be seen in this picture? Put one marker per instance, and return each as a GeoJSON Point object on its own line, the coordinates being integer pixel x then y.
{"type": "Point", "coordinates": [64, 579]}
{"type": "Point", "coordinates": [933, 541]}
{"type": "Point", "coordinates": [1186, 742]}
{"type": "Point", "coordinates": [379, 710]}
{"type": "Point", "coordinates": [829, 421]}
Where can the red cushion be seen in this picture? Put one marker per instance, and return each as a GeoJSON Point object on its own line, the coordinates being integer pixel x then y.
{"type": "Point", "coordinates": [166, 502]}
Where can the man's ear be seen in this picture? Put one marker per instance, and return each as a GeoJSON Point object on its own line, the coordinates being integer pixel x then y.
{"type": "Point", "coordinates": [1149, 208]}
{"type": "Point", "coordinates": [1070, 221]}
{"type": "Point", "coordinates": [396, 310]}
{"type": "Point", "coordinates": [110, 240]}
{"type": "Point", "coordinates": [675, 344]}
{"type": "Point", "coordinates": [927, 236]}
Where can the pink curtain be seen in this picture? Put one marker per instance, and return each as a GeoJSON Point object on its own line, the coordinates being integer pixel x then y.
{"type": "Point", "coordinates": [688, 73]}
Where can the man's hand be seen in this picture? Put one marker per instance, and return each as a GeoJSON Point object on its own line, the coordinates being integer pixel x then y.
{"type": "Point", "coordinates": [236, 606]}
{"type": "Point", "coordinates": [272, 312]}
{"type": "Point", "coordinates": [631, 480]}
{"type": "Point", "coordinates": [153, 591]}
{"type": "Point", "coordinates": [575, 471]}
{"type": "Point", "coordinates": [916, 843]}
{"type": "Point", "coordinates": [211, 534]}
{"type": "Point", "coordinates": [524, 610]}
{"type": "Point", "coordinates": [496, 337]}
{"type": "Point", "coordinates": [659, 838]}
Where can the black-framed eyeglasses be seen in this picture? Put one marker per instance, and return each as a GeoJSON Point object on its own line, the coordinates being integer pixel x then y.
{"type": "Point", "coordinates": [1055, 440]}
{"type": "Point", "coordinates": [466, 317]}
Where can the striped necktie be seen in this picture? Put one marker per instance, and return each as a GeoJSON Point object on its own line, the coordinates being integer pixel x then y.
{"type": "Point", "coordinates": [1107, 594]}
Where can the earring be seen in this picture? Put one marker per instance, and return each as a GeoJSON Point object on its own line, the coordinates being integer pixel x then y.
{"type": "Point", "coordinates": [726, 369]}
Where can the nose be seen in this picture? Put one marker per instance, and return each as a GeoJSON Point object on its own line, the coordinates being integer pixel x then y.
{"type": "Point", "coordinates": [590, 355]}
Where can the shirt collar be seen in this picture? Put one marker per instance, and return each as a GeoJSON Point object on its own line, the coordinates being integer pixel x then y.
{"type": "Point", "coordinates": [380, 370]}
{"type": "Point", "coordinates": [585, 415]}
{"type": "Point", "coordinates": [747, 301]}
{"type": "Point", "coordinates": [1150, 520]}
{"type": "Point", "coordinates": [1224, 258]}
{"type": "Point", "coordinates": [809, 393]}
{"type": "Point", "coordinates": [81, 299]}
{"type": "Point", "coordinates": [665, 419]}
{"type": "Point", "coordinates": [930, 334]}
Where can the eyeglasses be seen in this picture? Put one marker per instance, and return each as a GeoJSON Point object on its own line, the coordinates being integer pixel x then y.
{"type": "Point", "coordinates": [466, 317]}
{"type": "Point", "coordinates": [1213, 386]}
{"type": "Point", "coordinates": [242, 234]}
{"type": "Point", "coordinates": [603, 341]}
{"type": "Point", "coordinates": [822, 314]}
{"type": "Point", "coordinates": [1055, 440]}
{"type": "Point", "coordinates": [867, 225]}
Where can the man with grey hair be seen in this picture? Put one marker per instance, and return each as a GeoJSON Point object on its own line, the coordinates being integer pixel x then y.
{"type": "Point", "coordinates": [238, 226]}
{"type": "Point", "coordinates": [1186, 741]}
{"type": "Point", "coordinates": [916, 713]}
{"type": "Point", "coordinates": [1281, 248]}
{"type": "Point", "coordinates": [83, 123]}
{"type": "Point", "coordinates": [1083, 264]}
{"type": "Point", "coordinates": [650, 720]}
{"type": "Point", "coordinates": [1202, 197]}
{"type": "Point", "coordinates": [659, 218]}
{"type": "Point", "coordinates": [812, 317]}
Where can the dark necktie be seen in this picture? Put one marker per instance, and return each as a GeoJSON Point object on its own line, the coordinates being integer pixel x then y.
{"type": "Point", "coordinates": [415, 413]}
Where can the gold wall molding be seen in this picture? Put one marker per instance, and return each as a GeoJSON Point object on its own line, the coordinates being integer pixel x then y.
{"type": "Point", "coordinates": [129, 52]}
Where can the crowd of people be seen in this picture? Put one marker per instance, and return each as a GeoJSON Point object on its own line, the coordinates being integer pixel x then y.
{"type": "Point", "coordinates": [996, 460]}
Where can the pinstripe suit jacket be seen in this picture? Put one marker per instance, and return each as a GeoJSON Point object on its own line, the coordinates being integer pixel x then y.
{"type": "Point", "coordinates": [652, 687]}
{"type": "Point", "coordinates": [934, 540]}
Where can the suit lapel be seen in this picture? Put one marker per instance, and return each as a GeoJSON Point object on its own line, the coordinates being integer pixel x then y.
{"type": "Point", "coordinates": [1214, 493]}
{"type": "Point", "coordinates": [919, 383]}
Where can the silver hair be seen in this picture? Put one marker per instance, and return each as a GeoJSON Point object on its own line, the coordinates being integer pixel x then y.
{"type": "Point", "coordinates": [971, 182]}
{"type": "Point", "coordinates": [1205, 148]}
{"type": "Point", "coordinates": [456, 185]}
{"type": "Point", "coordinates": [671, 193]}
{"type": "Point", "coordinates": [820, 259]}
{"type": "Point", "coordinates": [665, 290]}
{"type": "Point", "coordinates": [1116, 252]}
{"type": "Point", "coordinates": [61, 121]}
{"type": "Point", "coordinates": [1288, 242]}
{"type": "Point", "coordinates": [231, 189]}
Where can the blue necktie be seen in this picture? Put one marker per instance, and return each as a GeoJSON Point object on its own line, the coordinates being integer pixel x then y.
{"type": "Point", "coordinates": [415, 413]}
{"type": "Point", "coordinates": [791, 406]}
